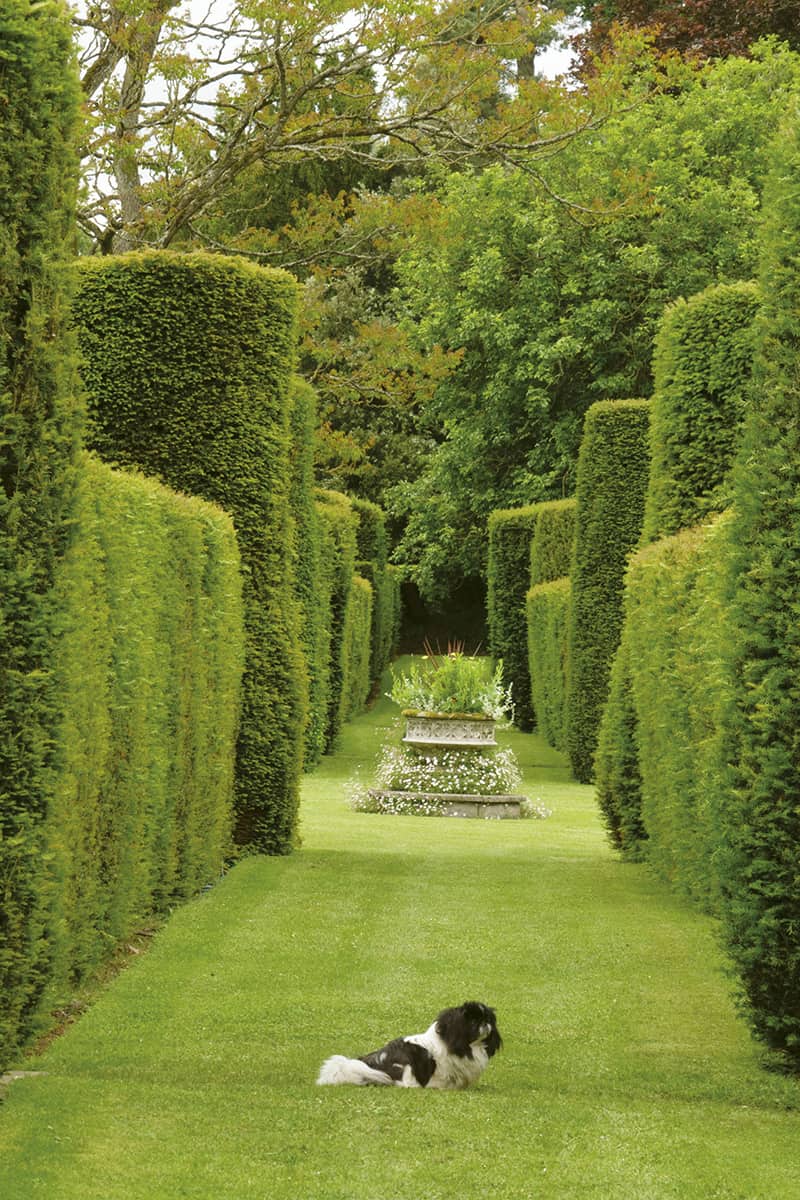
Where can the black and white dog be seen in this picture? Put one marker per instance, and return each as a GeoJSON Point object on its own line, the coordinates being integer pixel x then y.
{"type": "Point", "coordinates": [453, 1053]}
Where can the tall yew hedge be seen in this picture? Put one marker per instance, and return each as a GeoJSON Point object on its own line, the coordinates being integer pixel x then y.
{"type": "Point", "coordinates": [312, 598]}
{"type": "Point", "coordinates": [702, 371]}
{"type": "Point", "coordinates": [612, 477]}
{"type": "Point", "coordinates": [511, 532]}
{"type": "Point", "coordinates": [547, 611]}
{"type": "Point", "coordinates": [760, 863]}
{"type": "Point", "coordinates": [38, 439]}
{"type": "Point", "coordinates": [187, 360]}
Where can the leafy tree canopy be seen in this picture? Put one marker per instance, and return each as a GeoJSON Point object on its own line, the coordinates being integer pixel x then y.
{"type": "Point", "coordinates": [552, 310]}
{"type": "Point", "coordinates": [699, 28]}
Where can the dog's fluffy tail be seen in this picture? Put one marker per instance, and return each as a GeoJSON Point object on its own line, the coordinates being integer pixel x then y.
{"type": "Point", "coordinates": [339, 1069]}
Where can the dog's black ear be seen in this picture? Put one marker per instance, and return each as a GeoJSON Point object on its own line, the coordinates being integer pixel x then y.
{"type": "Point", "coordinates": [454, 1029]}
{"type": "Point", "coordinates": [494, 1042]}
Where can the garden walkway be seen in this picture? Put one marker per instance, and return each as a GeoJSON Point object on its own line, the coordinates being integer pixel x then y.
{"type": "Point", "coordinates": [625, 1073]}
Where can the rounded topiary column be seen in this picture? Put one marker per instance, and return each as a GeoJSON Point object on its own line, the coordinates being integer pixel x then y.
{"type": "Point", "coordinates": [761, 812]}
{"type": "Point", "coordinates": [38, 423]}
{"type": "Point", "coordinates": [611, 483]}
{"type": "Point", "coordinates": [187, 362]}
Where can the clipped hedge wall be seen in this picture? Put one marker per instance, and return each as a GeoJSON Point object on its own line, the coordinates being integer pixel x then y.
{"type": "Point", "coordinates": [702, 371]}
{"type": "Point", "coordinates": [553, 540]}
{"type": "Point", "coordinates": [612, 476]}
{"type": "Point", "coordinates": [147, 675]}
{"type": "Point", "coordinates": [548, 628]}
{"type": "Point", "coordinates": [394, 576]}
{"type": "Point", "coordinates": [616, 762]}
{"type": "Point", "coordinates": [339, 525]}
{"type": "Point", "coordinates": [312, 598]}
{"type": "Point", "coordinates": [149, 667]}
{"type": "Point", "coordinates": [39, 98]}
{"type": "Point", "coordinates": [511, 532]}
{"type": "Point", "coordinates": [680, 666]}
{"type": "Point", "coordinates": [356, 644]}
{"type": "Point", "coordinates": [372, 551]}
{"type": "Point", "coordinates": [187, 362]}
{"type": "Point", "coordinates": [761, 820]}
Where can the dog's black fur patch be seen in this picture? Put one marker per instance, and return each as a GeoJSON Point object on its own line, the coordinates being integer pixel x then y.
{"type": "Point", "coordinates": [395, 1056]}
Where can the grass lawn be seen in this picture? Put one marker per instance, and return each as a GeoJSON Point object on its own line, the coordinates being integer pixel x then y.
{"type": "Point", "coordinates": [625, 1072]}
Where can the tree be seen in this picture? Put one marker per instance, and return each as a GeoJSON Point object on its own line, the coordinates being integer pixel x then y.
{"type": "Point", "coordinates": [700, 28]}
{"type": "Point", "coordinates": [182, 105]}
{"type": "Point", "coordinates": [552, 312]}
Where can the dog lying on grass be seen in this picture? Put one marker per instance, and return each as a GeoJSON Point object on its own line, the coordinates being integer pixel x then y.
{"type": "Point", "coordinates": [453, 1053]}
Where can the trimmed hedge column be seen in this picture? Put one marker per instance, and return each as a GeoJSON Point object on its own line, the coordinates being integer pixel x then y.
{"type": "Point", "coordinates": [511, 532]}
{"type": "Point", "coordinates": [702, 367]}
{"type": "Point", "coordinates": [38, 171]}
{"type": "Point", "coordinates": [372, 563]}
{"type": "Point", "coordinates": [547, 609]}
{"type": "Point", "coordinates": [553, 540]}
{"type": "Point", "coordinates": [612, 477]}
{"type": "Point", "coordinates": [761, 823]}
{"type": "Point", "coordinates": [188, 360]}
{"type": "Point", "coordinates": [339, 525]}
{"type": "Point", "coordinates": [311, 595]}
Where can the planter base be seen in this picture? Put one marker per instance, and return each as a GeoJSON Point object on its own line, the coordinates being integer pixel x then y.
{"type": "Point", "coordinates": [452, 804]}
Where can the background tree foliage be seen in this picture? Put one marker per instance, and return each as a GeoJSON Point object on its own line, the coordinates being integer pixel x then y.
{"type": "Point", "coordinates": [700, 28]}
{"type": "Point", "coordinates": [553, 307]}
{"type": "Point", "coordinates": [183, 104]}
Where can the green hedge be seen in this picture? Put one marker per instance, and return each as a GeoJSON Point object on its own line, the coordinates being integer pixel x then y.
{"type": "Point", "coordinates": [548, 627]}
{"type": "Point", "coordinates": [312, 599]}
{"type": "Point", "coordinates": [356, 643]}
{"type": "Point", "coordinates": [612, 479]}
{"type": "Point", "coordinates": [394, 577]}
{"type": "Point", "coordinates": [616, 761]}
{"type": "Point", "coordinates": [372, 562]}
{"type": "Point", "coordinates": [761, 853]}
{"type": "Point", "coordinates": [679, 660]}
{"type": "Point", "coordinates": [702, 371]}
{"type": "Point", "coordinates": [511, 532]}
{"type": "Point", "coordinates": [553, 540]}
{"type": "Point", "coordinates": [339, 525]}
{"type": "Point", "coordinates": [150, 666]}
{"type": "Point", "coordinates": [39, 99]}
{"type": "Point", "coordinates": [187, 362]}
{"type": "Point", "coordinates": [147, 671]}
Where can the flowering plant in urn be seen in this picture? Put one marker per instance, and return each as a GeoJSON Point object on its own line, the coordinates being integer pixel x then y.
{"type": "Point", "coordinates": [454, 684]}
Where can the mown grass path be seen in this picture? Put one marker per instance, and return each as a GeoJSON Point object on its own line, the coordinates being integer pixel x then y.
{"type": "Point", "coordinates": [625, 1072]}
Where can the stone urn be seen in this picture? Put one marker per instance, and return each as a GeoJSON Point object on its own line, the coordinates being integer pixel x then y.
{"type": "Point", "coordinates": [460, 731]}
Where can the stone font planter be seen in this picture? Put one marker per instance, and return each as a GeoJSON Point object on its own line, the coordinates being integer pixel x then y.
{"type": "Point", "coordinates": [457, 731]}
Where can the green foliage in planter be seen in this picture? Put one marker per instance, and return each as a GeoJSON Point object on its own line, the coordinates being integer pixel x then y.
{"type": "Point", "coordinates": [339, 526]}
{"type": "Point", "coordinates": [454, 684]}
{"type": "Point", "coordinates": [553, 541]}
{"type": "Point", "coordinates": [372, 556]}
{"type": "Point", "coordinates": [611, 483]}
{"type": "Point", "coordinates": [548, 628]}
{"type": "Point", "coordinates": [703, 365]}
{"type": "Point", "coordinates": [679, 661]}
{"type": "Point", "coordinates": [356, 645]}
{"type": "Point", "coordinates": [312, 598]}
{"type": "Point", "coordinates": [511, 532]}
{"type": "Point", "coordinates": [187, 362]}
{"type": "Point", "coordinates": [149, 668]}
{"type": "Point", "coordinates": [761, 825]}
{"type": "Point", "coordinates": [39, 420]}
